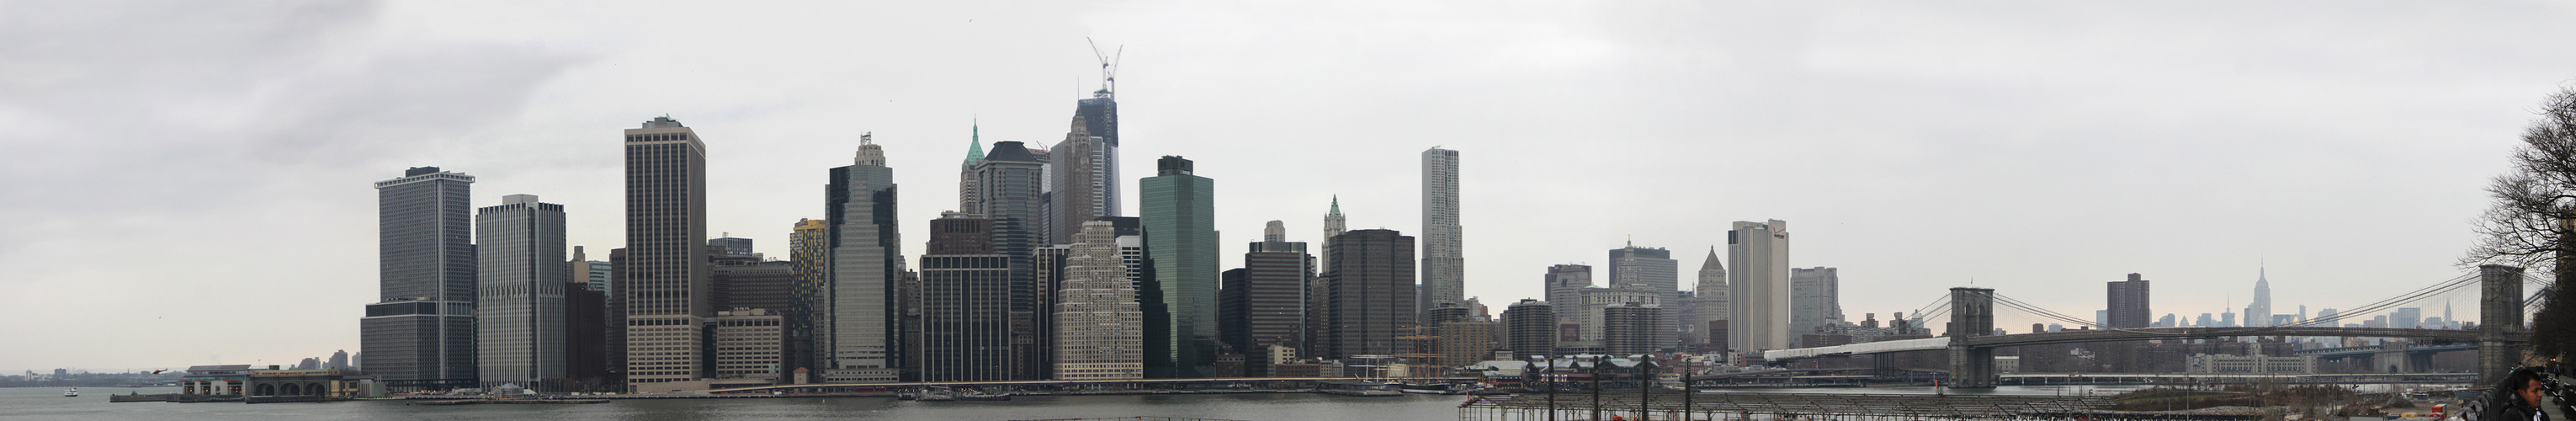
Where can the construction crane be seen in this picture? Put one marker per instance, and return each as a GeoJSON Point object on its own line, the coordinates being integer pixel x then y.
{"type": "Point", "coordinates": [1108, 68]}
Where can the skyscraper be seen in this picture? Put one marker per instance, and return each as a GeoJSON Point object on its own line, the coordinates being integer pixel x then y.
{"type": "Point", "coordinates": [1010, 182]}
{"type": "Point", "coordinates": [2129, 303]}
{"type": "Point", "coordinates": [1653, 269]}
{"type": "Point", "coordinates": [519, 304]}
{"type": "Point", "coordinates": [1758, 314]}
{"type": "Point", "coordinates": [1083, 185]}
{"type": "Point", "coordinates": [1367, 297]}
{"type": "Point", "coordinates": [1531, 325]}
{"type": "Point", "coordinates": [2259, 312]}
{"type": "Point", "coordinates": [1444, 265]}
{"type": "Point", "coordinates": [420, 332]}
{"type": "Point", "coordinates": [863, 256]}
{"type": "Point", "coordinates": [1102, 329]}
{"type": "Point", "coordinates": [1099, 115]}
{"type": "Point", "coordinates": [966, 302]}
{"type": "Point", "coordinates": [667, 275]}
{"type": "Point", "coordinates": [1565, 284]}
{"type": "Point", "coordinates": [1815, 300]}
{"type": "Point", "coordinates": [1711, 298]}
{"type": "Point", "coordinates": [1179, 212]}
{"type": "Point", "coordinates": [808, 251]}
{"type": "Point", "coordinates": [1333, 226]}
{"type": "Point", "coordinates": [1263, 303]}
{"type": "Point", "coordinates": [1633, 328]}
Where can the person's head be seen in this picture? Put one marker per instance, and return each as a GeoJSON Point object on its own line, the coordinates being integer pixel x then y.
{"type": "Point", "coordinates": [2525, 384]}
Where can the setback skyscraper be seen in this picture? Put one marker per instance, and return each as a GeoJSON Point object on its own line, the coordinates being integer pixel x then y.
{"type": "Point", "coordinates": [1758, 286]}
{"type": "Point", "coordinates": [1334, 225]}
{"type": "Point", "coordinates": [520, 334]}
{"type": "Point", "coordinates": [1179, 213]}
{"type": "Point", "coordinates": [1101, 332]}
{"type": "Point", "coordinates": [1444, 262]}
{"type": "Point", "coordinates": [2259, 312]}
{"type": "Point", "coordinates": [863, 255]}
{"type": "Point", "coordinates": [667, 276]}
{"type": "Point", "coordinates": [420, 332]}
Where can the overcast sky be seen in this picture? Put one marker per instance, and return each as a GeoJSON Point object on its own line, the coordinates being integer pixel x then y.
{"type": "Point", "coordinates": [190, 182]}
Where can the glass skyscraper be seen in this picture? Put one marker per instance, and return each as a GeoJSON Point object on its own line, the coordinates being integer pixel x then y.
{"type": "Point", "coordinates": [520, 328]}
{"type": "Point", "coordinates": [420, 333]}
{"type": "Point", "coordinates": [1179, 214]}
{"type": "Point", "coordinates": [859, 330]}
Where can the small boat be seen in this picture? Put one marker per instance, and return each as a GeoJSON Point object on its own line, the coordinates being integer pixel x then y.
{"type": "Point", "coordinates": [73, 392]}
{"type": "Point", "coordinates": [937, 395]}
{"type": "Point", "coordinates": [905, 396]}
{"type": "Point", "coordinates": [973, 395]}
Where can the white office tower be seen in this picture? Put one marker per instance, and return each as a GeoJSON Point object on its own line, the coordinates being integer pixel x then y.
{"type": "Point", "coordinates": [1758, 289]}
{"type": "Point", "coordinates": [1100, 330]}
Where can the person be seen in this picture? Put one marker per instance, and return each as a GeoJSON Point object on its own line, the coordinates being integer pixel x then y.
{"type": "Point", "coordinates": [2517, 398]}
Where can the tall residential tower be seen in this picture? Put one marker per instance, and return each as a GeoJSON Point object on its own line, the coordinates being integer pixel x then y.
{"type": "Point", "coordinates": [1444, 265]}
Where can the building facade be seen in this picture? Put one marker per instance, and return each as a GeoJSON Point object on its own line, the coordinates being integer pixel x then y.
{"type": "Point", "coordinates": [858, 334]}
{"type": "Point", "coordinates": [1367, 298]}
{"type": "Point", "coordinates": [1633, 328]}
{"type": "Point", "coordinates": [520, 327]}
{"type": "Point", "coordinates": [1444, 264]}
{"type": "Point", "coordinates": [1264, 303]}
{"type": "Point", "coordinates": [420, 332]}
{"type": "Point", "coordinates": [1179, 213]}
{"type": "Point", "coordinates": [1530, 327]}
{"type": "Point", "coordinates": [664, 292]}
{"type": "Point", "coordinates": [2128, 302]}
{"type": "Point", "coordinates": [1815, 296]}
{"type": "Point", "coordinates": [808, 262]}
{"type": "Point", "coordinates": [750, 343]}
{"type": "Point", "coordinates": [1082, 185]}
{"type": "Point", "coordinates": [1011, 183]}
{"type": "Point", "coordinates": [1758, 290]}
{"type": "Point", "coordinates": [1100, 327]}
{"type": "Point", "coordinates": [966, 303]}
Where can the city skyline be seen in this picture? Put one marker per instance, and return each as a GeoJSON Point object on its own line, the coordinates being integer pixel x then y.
{"type": "Point", "coordinates": [2230, 140]}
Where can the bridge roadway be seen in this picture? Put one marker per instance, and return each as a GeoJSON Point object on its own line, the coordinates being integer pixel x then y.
{"type": "Point", "coordinates": [2114, 335]}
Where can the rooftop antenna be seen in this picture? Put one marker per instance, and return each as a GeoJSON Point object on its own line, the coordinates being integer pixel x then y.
{"type": "Point", "coordinates": [1108, 68]}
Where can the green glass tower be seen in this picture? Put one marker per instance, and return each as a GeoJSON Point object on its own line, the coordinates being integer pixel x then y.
{"type": "Point", "coordinates": [1179, 214]}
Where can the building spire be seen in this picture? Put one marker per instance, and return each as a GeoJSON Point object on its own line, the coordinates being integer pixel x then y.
{"type": "Point", "coordinates": [975, 147]}
{"type": "Point", "coordinates": [1337, 205]}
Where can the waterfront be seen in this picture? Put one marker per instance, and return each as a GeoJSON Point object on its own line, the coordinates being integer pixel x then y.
{"type": "Point", "coordinates": [48, 404]}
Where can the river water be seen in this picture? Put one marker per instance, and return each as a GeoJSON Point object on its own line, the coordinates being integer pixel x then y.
{"type": "Point", "coordinates": [48, 404]}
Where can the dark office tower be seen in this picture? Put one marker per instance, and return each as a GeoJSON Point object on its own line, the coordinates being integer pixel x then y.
{"type": "Point", "coordinates": [1633, 328]}
{"type": "Point", "coordinates": [808, 263]}
{"type": "Point", "coordinates": [858, 331]}
{"type": "Point", "coordinates": [665, 293]}
{"type": "Point", "coordinates": [615, 320]}
{"type": "Point", "coordinates": [519, 300]}
{"type": "Point", "coordinates": [1264, 302]}
{"type": "Point", "coordinates": [1565, 284]}
{"type": "Point", "coordinates": [1083, 187]}
{"type": "Point", "coordinates": [585, 339]}
{"type": "Point", "coordinates": [420, 332]}
{"type": "Point", "coordinates": [1444, 265]}
{"type": "Point", "coordinates": [966, 302]}
{"type": "Point", "coordinates": [2128, 301]}
{"type": "Point", "coordinates": [1531, 328]}
{"type": "Point", "coordinates": [746, 282]}
{"type": "Point", "coordinates": [1048, 266]}
{"type": "Point", "coordinates": [1179, 212]}
{"type": "Point", "coordinates": [731, 246]}
{"type": "Point", "coordinates": [1009, 180]}
{"type": "Point", "coordinates": [1369, 295]}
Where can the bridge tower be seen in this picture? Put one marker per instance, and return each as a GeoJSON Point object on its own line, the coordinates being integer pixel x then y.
{"type": "Point", "coordinates": [2499, 321]}
{"type": "Point", "coordinates": [1972, 313]}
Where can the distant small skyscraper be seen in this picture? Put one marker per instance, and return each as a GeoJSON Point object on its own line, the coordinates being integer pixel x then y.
{"type": "Point", "coordinates": [1565, 284]}
{"type": "Point", "coordinates": [666, 291]}
{"type": "Point", "coordinates": [1444, 262]}
{"type": "Point", "coordinates": [2128, 302]}
{"type": "Point", "coordinates": [2259, 312]}
{"type": "Point", "coordinates": [732, 246]}
{"type": "Point", "coordinates": [1333, 226]}
{"type": "Point", "coordinates": [420, 332]}
{"type": "Point", "coordinates": [1649, 268]}
{"type": "Point", "coordinates": [1711, 296]}
{"type": "Point", "coordinates": [520, 331]}
{"type": "Point", "coordinates": [1759, 290]}
{"type": "Point", "coordinates": [1179, 212]}
{"type": "Point", "coordinates": [1815, 299]}
{"type": "Point", "coordinates": [1531, 325]}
